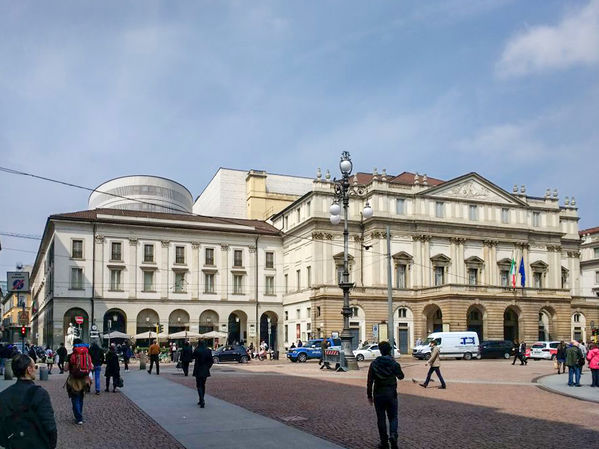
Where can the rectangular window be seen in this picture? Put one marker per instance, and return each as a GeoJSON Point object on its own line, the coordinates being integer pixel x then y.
{"type": "Point", "coordinates": [286, 315]}
{"type": "Point", "coordinates": [286, 333]}
{"type": "Point", "coordinates": [308, 208]}
{"type": "Point", "coordinates": [400, 205]}
{"type": "Point", "coordinates": [298, 275]}
{"type": "Point", "coordinates": [339, 274]}
{"type": "Point", "coordinates": [536, 218]}
{"type": "Point", "coordinates": [537, 280]}
{"type": "Point", "coordinates": [596, 277]}
{"type": "Point", "coordinates": [505, 278]}
{"type": "Point", "coordinates": [77, 278]}
{"type": "Point", "coordinates": [472, 276]}
{"type": "Point", "coordinates": [439, 209]}
{"type": "Point", "coordinates": [298, 214]}
{"type": "Point", "coordinates": [309, 277]}
{"type": "Point", "coordinates": [115, 280]}
{"type": "Point", "coordinates": [308, 312]}
{"type": "Point", "coordinates": [439, 276]}
{"type": "Point", "coordinates": [270, 285]}
{"type": "Point", "coordinates": [77, 249]}
{"type": "Point", "coordinates": [505, 215]}
{"type": "Point", "coordinates": [297, 314]}
{"type": "Point", "coordinates": [238, 258]}
{"type": "Point", "coordinates": [180, 254]}
{"type": "Point", "coordinates": [179, 282]}
{"type": "Point", "coordinates": [148, 253]}
{"type": "Point", "coordinates": [209, 256]}
{"type": "Point", "coordinates": [148, 281]}
{"type": "Point", "coordinates": [209, 283]}
{"type": "Point", "coordinates": [473, 212]}
{"type": "Point", "coordinates": [400, 274]}
{"type": "Point", "coordinates": [286, 284]}
{"type": "Point", "coordinates": [286, 222]}
{"type": "Point", "coordinates": [238, 284]}
{"type": "Point", "coordinates": [116, 253]}
{"type": "Point", "coordinates": [317, 310]}
{"type": "Point", "coordinates": [596, 253]}
{"type": "Point", "coordinates": [270, 259]}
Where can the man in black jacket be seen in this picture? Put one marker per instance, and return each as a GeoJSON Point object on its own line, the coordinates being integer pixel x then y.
{"type": "Point", "coordinates": [62, 357]}
{"type": "Point", "coordinates": [383, 373]}
{"type": "Point", "coordinates": [26, 414]}
{"type": "Point", "coordinates": [201, 369]}
{"type": "Point", "coordinates": [186, 357]}
{"type": "Point", "coordinates": [97, 355]}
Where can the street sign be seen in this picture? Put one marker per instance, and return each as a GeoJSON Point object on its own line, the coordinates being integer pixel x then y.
{"type": "Point", "coordinates": [17, 281]}
{"type": "Point", "coordinates": [79, 319]}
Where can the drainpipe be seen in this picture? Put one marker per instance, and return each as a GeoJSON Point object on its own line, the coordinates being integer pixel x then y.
{"type": "Point", "coordinates": [257, 325]}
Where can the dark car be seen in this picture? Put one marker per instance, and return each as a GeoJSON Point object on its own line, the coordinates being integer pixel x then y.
{"type": "Point", "coordinates": [496, 349]}
{"type": "Point", "coordinates": [230, 353]}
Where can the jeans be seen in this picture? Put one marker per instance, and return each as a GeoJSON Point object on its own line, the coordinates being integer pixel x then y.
{"type": "Point", "coordinates": [574, 371]}
{"type": "Point", "coordinates": [595, 376]}
{"type": "Point", "coordinates": [77, 401]}
{"type": "Point", "coordinates": [431, 370]}
{"type": "Point", "coordinates": [1, 366]}
{"type": "Point", "coordinates": [201, 386]}
{"type": "Point", "coordinates": [97, 372]}
{"type": "Point", "coordinates": [385, 406]}
{"type": "Point", "coordinates": [154, 359]}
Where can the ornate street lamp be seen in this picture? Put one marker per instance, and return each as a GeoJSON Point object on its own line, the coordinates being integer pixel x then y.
{"type": "Point", "coordinates": [343, 191]}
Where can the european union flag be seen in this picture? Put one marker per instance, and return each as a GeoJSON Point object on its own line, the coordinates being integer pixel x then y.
{"type": "Point", "coordinates": [522, 273]}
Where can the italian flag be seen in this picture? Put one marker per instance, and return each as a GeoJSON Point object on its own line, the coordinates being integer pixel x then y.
{"type": "Point", "coordinates": [513, 272]}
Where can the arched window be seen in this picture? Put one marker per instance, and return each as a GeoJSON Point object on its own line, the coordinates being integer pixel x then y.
{"type": "Point", "coordinates": [577, 317]}
{"type": "Point", "coordinates": [402, 313]}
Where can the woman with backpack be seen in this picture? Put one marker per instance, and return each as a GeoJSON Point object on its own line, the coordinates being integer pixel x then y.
{"type": "Point", "coordinates": [593, 358]}
{"type": "Point", "coordinates": [79, 367]}
{"type": "Point", "coordinates": [112, 368]}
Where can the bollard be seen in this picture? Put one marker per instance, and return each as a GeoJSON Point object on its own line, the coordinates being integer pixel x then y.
{"type": "Point", "coordinates": [142, 361]}
{"type": "Point", "coordinates": [43, 369]}
{"type": "Point", "coordinates": [8, 369]}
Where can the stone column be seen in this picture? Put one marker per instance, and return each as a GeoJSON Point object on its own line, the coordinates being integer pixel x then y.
{"type": "Point", "coordinates": [132, 270]}
{"type": "Point", "coordinates": [426, 249]}
{"type": "Point", "coordinates": [195, 270]}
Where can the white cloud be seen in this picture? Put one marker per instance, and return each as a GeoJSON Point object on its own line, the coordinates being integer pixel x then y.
{"type": "Point", "coordinates": [573, 41]}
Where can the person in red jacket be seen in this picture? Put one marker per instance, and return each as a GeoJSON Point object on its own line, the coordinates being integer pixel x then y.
{"type": "Point", "coordinates": [593, 358]}
{"type": "Point", "coordinates": [79, 366]}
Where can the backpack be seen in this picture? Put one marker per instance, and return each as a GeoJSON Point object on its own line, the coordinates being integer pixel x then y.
{"type": "Point", "coordinates": [21, 426]}
{"type": "Point", "coordinates": [80, 365]}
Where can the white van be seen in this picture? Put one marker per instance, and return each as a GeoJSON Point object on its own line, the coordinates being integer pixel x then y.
{"type": "Point", "coordinates": [451, 344]}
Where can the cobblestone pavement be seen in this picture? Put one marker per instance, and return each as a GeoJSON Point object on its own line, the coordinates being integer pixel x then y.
{"type": "Point", "coordinates": [488, 404]}
{"type": "Point", "coordinates": [111, 421]}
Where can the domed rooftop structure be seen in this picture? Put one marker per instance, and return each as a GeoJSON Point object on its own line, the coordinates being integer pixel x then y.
{"type": "Point", "coordinates": [142, 192]}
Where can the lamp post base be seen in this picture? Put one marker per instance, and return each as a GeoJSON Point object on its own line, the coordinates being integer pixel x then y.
{"type": "Point", "coordinates": [351, 364]}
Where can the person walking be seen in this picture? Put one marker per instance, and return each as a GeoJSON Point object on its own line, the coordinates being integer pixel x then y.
{"type": "Point", "coordinates": [186, 357]}
{"type": "Point", "coordinates": [127, 354]}
{"type": "Point", "coordinates": [573, 357]}
{"type": "Point", "coordinates": [324, 344]}
{"type": "Point", "coordinates": [516, 351]}
{"type": "Point", "coordinates": [97, 356]}
{"type": "Point", "coordinates": [154, 352]}
{"type": "Point", "coordinates": [112, 368]}
{"type": "Point", "coordinates": [201, 370]}
{"type": "Point", "coordinates": [383, 374]}
{"type": "Point", "coordinates": [79, 366]}
{"type": "Point", "coordinates": [435, 366]}
{"type": "Point", "coordinates": [593, 358]}
{"type": "Point", "coordinates": [523, 360]}
{"type": "Point", "coordinates": [560, 357]}
{"type": "Point", "coordinates": [26, 414]}
{"type": "Point", "coordinates": [62, 357]}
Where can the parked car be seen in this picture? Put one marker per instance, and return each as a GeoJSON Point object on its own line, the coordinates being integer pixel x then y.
{"type": "Point", "coordinates": [230, 353]}
{"type": "Point", "coordinates": [371, 351]}
{"type": "Point", "coordinates": [496, 349]}
{"type": "Point", "coordinates": [310, 350]}
{"type": "Point", "coordinates": [544, 350]}
{"type": "Point", "coordinates": [451, 344]}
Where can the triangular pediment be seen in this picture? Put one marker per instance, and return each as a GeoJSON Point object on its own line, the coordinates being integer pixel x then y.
{"type": "Point", "coordinates": [473, 187]}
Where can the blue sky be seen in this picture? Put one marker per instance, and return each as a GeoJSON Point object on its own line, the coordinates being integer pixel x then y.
{"type": "Point", "coordinates": [94, 90]}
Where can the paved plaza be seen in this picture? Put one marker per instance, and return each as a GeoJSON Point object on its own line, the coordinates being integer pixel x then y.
{"type": "Point", "coordinates": [488, 404]}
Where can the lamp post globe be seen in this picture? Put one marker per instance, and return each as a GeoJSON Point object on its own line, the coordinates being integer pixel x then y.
{"type": "Point", "coordinates": [367, 212]}
{"type": "Point", "coordinates": [335, 209]}
{"type": "Point", "coordinates": [345, 164]}
{"type": "Point", "coordinates": [335, 219]}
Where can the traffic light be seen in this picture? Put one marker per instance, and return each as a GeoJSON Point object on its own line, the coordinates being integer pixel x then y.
{"type": "Point", "coordinates": [161, 328]}
{"type": "Point", "coordinates": [23, 330]}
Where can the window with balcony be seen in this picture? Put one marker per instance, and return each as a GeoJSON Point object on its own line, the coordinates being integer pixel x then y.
{"type": "Point", "coordinates": [472, 276]}
{"type": "Point", "coordinates": [440, 264]}
{"type": "Point", "coordinates": [179, 254]}
{"type": "Point", "coordinates": [270, 285]}
{"type": "Point", "coordinates": [209, 283]}
{"type": "Point", "coordinates": [439, 209]}
{"type": "Point", "coordinates": [537, 279]}
{"type": "Point", "coordinates": [473, 212]}
{"type": "Point", "coordinates": [116, 251]}
{"type": "Point", "coordinates": [179, 282]}
{"type": "Point", "coordinates": [400, 206]}
{"type": "Point", "coordinates": [77, 249]}
{"type": "Point", "coordinates": [115, 280]}
{"type": "Point", "coordinates": [400, 275]}
{"type": "Point", "coordinates": [76, 278]}
{"type": "Point", "coordinates": [439, 276]}
{"type": "Point", "coordinates": [148, 253]}
{"type": "Point", "coordinates": [505, 215]}
{"type": "Point", "coordinates": [209, 256]}
{"type": "Point", "coordinates": [238, 284]}
{"type": "Point", "coordinates": [148, 281]}
{"type": "Point", "coordinates": [505, 278]}
{"type": "Point", "coordinates": [270, 259]}
{"type": "Point", "coordinates": [238, 258]}
{"type": "Point", "coordinates": [565, 276]}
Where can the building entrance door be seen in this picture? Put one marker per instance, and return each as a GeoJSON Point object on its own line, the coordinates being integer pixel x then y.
{"type": "Point", "coordinates": [402, 341]}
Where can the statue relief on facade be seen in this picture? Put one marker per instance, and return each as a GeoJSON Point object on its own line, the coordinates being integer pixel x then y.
{"type": "Point", "coordinates": [472, 190]}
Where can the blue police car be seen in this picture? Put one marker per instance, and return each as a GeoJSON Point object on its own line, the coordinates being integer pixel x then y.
{"type": "Point", "coordinates": [310, 350]}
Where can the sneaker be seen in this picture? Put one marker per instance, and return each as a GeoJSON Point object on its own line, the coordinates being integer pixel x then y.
{"type": "Point", "coordinates": [80, 423]}
{"type": "Point", "coordinates": [97, 393]}
{"type": "Point", "coordinates": [422, 385]}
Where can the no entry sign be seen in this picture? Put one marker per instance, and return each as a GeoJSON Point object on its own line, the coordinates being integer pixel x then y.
{"type": "Point", "coordinates": [79, 319]}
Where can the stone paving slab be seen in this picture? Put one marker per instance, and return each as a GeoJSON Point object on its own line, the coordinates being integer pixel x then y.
{"type": "Point", "coordinates": [219, 425]}
{"type": "Point", "coordinates": [558, 383]}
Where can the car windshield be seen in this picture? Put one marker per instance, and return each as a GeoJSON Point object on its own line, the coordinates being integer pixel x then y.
{"type": "Point", "coordinates": [314, 343]}
{"type": "Point", "coordinates": [538, 346]}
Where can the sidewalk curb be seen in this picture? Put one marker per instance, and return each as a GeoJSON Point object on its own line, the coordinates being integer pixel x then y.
{"type": "Point", "coordinates": [551, 390]}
